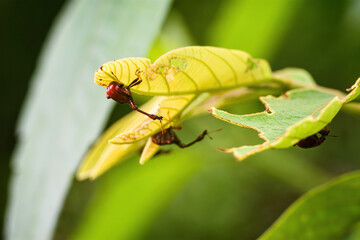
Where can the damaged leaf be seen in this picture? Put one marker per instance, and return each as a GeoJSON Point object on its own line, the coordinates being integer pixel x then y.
{"type": "Point", "coordinates": [168, 107]}
{"type": "Point", "coordinates": [288, 119]}
{"type": "Point", "coordinates": [189, 70]}
{"type": "Point", "coordinates": [129, 133]}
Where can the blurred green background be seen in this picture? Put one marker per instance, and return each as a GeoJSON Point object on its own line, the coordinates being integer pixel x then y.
{"type": "Point", "coordinates": [203, 193]}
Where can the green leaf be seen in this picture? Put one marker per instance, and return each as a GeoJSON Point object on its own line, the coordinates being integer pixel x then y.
{"type": "Point", "coordinates": [288, 119]}
{"type": "Point", "coordinates": [327, 212]}
{"type": "Point", "coordinates": [64, 111]}
{"type": "Point", "coordinates": [295, 77]}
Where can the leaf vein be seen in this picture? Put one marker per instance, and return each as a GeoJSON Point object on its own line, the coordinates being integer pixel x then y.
{"type": "Point", "coordinates": [147, 81]}
{"type": "Point", "coordinates": [128, 72]}
{"type": "Point", "coordinates": [191, 79]}
{"type": "Point", "coordinates": [226, 62]}
{"type": "Point", "coordinates": [166, 82]}
{"type": "Point", "coordinates": [207, 66]}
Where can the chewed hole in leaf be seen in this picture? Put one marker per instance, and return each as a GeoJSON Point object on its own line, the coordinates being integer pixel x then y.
{"type": "Point", "coordinates": [175, 62]}
{"type": "Point", "coordinates": [251, 64]}
{"type": "Point", "coordinates": [160, 70]}
{"type": "Point", "coordinates": [288, 119]}
{"type": "Point", "coordinates": [189, 70]}
{"type": "Point", "coordinates": [179, 63]}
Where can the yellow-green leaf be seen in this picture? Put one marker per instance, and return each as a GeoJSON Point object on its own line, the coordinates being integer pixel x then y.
{"type": "Point", "coordinates": [130, 133]}
{"type": "Point", "coordinates": [149, 151]}
{"type": "Point", "coordinates": [189, 70]}
{"type": "Point", "coordinates": [103, 155]}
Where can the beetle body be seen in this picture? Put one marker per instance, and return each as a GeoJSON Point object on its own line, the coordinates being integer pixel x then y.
{"type": "Point", "coordinates": [121, 94]}
{"type": "Point", "coordinates": [118, 92]}
{"type": "Point", "coordinates": [314, 140]}
{"type": "Point", "coordinates": [169, 137]}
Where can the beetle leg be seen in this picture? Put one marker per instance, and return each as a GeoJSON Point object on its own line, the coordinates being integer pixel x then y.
{"type": "Point", "coordinates": [162, 127]}
{"type": "Point", "coordinates": [198, 139]}
{"type": "Point", "coordinates": [178, 122]}
{"type": "Point", "coordinates": [322, 139]}
{"type": "Point", "coordinates": [325, 131]}
{"type": "Point", "coordinates": [180, 126]}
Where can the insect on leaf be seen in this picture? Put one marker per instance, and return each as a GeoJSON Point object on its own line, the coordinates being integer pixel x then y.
{"type": "Point", "coordinates": [288, 119]}
{"type": "Point", "coordinates": [103, 155]}
{"type": "Point", "coordinates": [189, 70]}
{"type": "Point", "coordinates": [130, 133]}
{"type": "Point", "coordinates": [168, 107]}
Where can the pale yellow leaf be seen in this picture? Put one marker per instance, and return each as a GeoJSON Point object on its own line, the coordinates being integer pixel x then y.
{"type": "Point", "coordinates": [189, 70]}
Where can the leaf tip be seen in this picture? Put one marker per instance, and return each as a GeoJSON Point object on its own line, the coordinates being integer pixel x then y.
{"type": "Point", "coordinates": [80, 176]}
{"type": "Point", "coordinates": [224, 149]}
{"type": "Point", "coordinates": [143, 160]}
{"type": "Point", "coordinates": [84, 175]}
{"type": "Point", "coordinates": [213, 110]}
{"type": "Point", "coordinates": [115, 140]}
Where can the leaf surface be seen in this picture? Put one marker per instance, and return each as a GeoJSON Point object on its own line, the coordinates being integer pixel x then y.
{"type": "Point", "coordinates": [64, 112]}
{"type": "Point", "coordinates": [149, 151]}
{"type": "Point", "coordinates": [168, 107]}
{"type": "Point", "coordinates": [327, 212]}
{"type": "Point", "coordinates": [103, 155]}
{"type": "Point", "coordinates": [188, 70]}
{"type": "Point", "coordinates": [288, 119]}
{"type": "Point", "coordinates": [295, 76]}
{"type": "Point", "coordinates": [129, 132]}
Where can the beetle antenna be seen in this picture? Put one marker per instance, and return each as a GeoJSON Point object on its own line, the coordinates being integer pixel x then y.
{"type": "Point", "coordinates": [115, 76]}
{"type": "Point", "coordinates": [137, 81]}
{"type": "Point", "coordinates": [331, 136]}
{"type": "Point", "coordinates": [162, 127]}
{"type": "Point", "coordinates": [180, 126]}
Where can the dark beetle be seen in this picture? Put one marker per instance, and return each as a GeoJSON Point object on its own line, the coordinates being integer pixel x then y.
{"type": "Point", "coordinates": [167, 136]}
{"type": "Point", "coordinates": [314, 140]}
{"type": "Point", "coordinates": [121, 94]}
